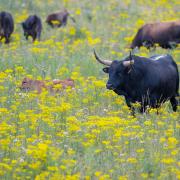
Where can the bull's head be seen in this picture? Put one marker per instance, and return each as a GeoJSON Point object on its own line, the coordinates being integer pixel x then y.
{"type": "Point", "coordinates": [25, 29]}
{"type": "Point", "coordinates": [117, 70]}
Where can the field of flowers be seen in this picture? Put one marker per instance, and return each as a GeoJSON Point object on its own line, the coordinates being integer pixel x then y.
{"type": "Point", "coordinates": [87, 132]}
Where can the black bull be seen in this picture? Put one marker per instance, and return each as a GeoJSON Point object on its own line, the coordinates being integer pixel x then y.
{"type": "Point", "coordinates": [32, 26]}
{"type": "Point", "coordinates": [6, 26]}
{"type": "Point", "coordinates": [149, 81]}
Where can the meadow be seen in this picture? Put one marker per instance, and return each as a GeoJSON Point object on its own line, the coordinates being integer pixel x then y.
{"type": "Point", "coordinates": [87, 132]}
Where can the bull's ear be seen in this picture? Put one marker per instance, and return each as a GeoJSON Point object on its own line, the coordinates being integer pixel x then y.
{"type": "Point", "coordinates": [106, 69]}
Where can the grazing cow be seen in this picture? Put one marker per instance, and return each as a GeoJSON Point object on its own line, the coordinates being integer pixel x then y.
{"type": "Point", "coordinates": [166, 34]}
{"type": "Point", "coordinates": [149, 81]}
{"type": "Point", "coordinates": [32, 26]}
{"type": "Point", "coordinates": [61, 17]}
{"type": "Point", "coordinates": [38, 85]}
{"type": "Point", "coordinates": [6, 26]}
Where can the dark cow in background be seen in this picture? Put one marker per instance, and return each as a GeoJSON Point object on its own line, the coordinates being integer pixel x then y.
{"type": "Point", "coordinates": [32, 26]}
{"type": "Point", "coordinates": [166, 34]}
{"type": "Point", "coordinates": [149, 81]}
{"type": "Point", "coordinates": [6, 26]}
{"type": "Point", "coordinates": [61, 17]}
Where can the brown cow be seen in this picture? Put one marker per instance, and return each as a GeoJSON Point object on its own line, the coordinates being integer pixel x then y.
{"type": "Point", "coordinates": [61, 17]}
{"type": "Point", "coordinates": [166, 34]}
{"type": "Point", "coordinates": [51, 86]}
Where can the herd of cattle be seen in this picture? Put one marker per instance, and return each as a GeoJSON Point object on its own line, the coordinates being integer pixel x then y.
{"type": "Point", "coordinates": [149, 81]}
{"type": "Point", "coordinates": [32, 26]}
{"type": "Point", "coordinates": [165, 34]}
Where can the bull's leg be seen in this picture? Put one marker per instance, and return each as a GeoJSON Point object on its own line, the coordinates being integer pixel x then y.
{"type": "Point", "coordinates": [148, 44]}
{"type": "Point", "coordinates": [155, 103]}
{"type": "Point", "coordinates": [59, 25]}
{"type": "Point", "coordinates": [26, 36]}
{"type": "Point", "coordinates": [64, 22]}
{"type": "Point", "coordinates": [174, 103]}
{"type": "Point", "coordinates": [38, 35]}
{"type": "Point", "coordinates": [7, 40]}
{"type": "Point", "coordinates": [128, 102]}
{"type": "Point", "coordinates": [143, 108]}
{"type": "Point", "coordinates": [34, 36]}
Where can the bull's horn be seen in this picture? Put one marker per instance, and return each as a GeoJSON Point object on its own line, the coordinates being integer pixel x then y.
{"type": "Point", "coordinates": [128, 63]}
{"type": "Point", "coordinates": [105, 62]}
{"type": "Point", "coordinates": [130, 55]}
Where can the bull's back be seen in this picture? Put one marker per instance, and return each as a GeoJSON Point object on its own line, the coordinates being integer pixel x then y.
{"type": "Point", "coordinates": [54, 17]}
{"type": "Point", "coordinates": [51, 17]}
{"type": "Point", "coordinates": [163, 75]}
{"type": "Point", "coordinates": [10, 22]}
{"type": "Point", "coordinates": [165, 31]}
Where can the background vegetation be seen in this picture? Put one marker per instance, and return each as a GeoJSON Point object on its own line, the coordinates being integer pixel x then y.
{"type": "Point", "coordinates": [88, 132]}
